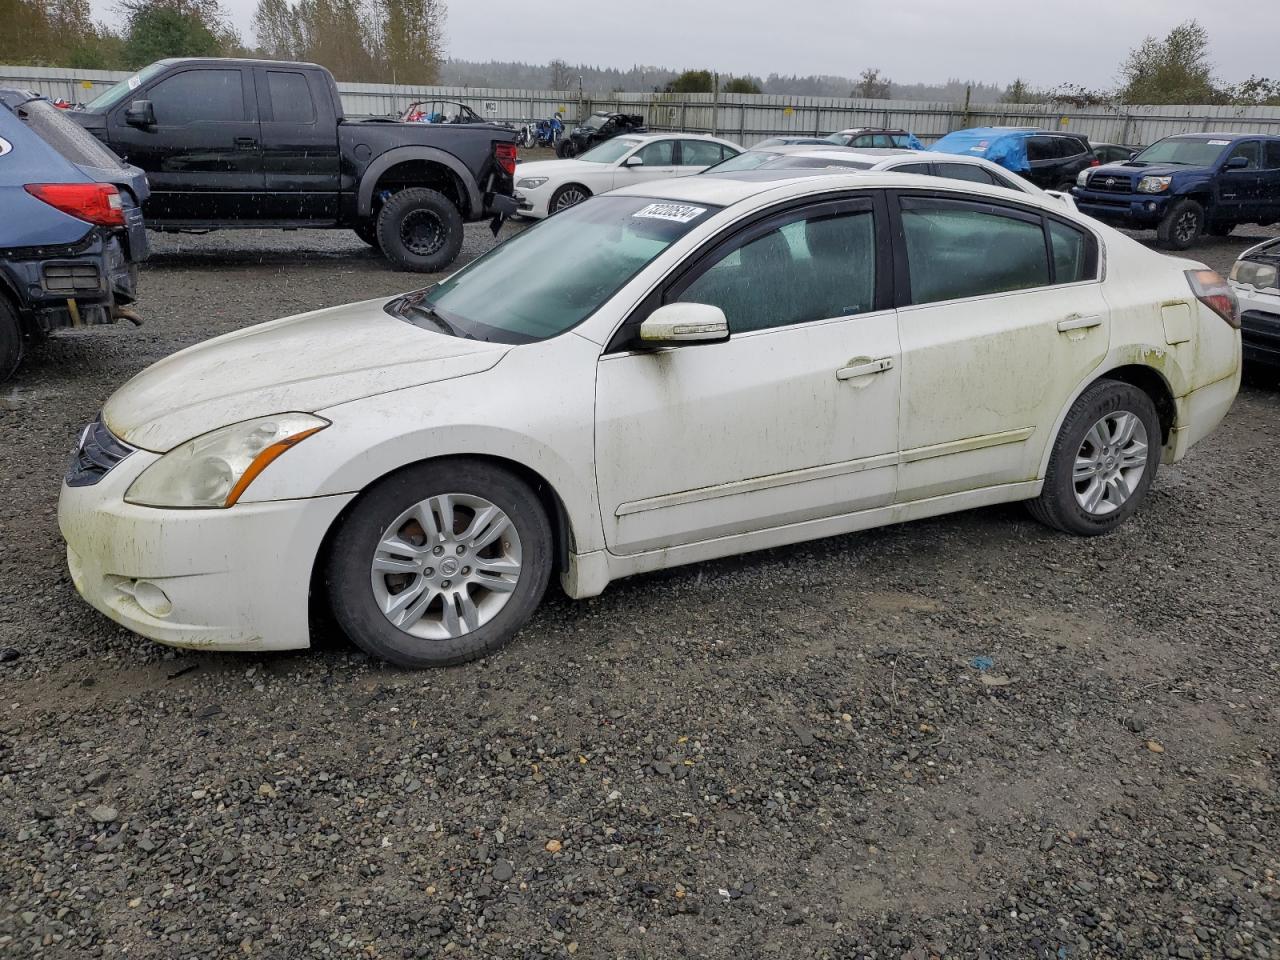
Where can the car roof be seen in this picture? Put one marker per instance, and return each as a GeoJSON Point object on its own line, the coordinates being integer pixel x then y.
{"type": "Point", "coordinates": [1222, 136]}
{"type": "Point", "coordinates": [726, 189]}
{"type": "Point", "coordinates": [673, 135]}
{"type": "Point", "coordinates": [852, 130]}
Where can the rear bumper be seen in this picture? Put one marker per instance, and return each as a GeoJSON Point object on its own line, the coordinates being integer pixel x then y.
{"type": "Point", "coordinates": [74, 286]}
{"type": "Point", "coordinates": [1200, 412]}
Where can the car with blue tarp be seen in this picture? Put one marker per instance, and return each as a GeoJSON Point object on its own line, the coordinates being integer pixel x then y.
{"type": "Point", "coordinates": [1187, 185]}
{"type": "Point", "coordinates": [71, 226]}
{"type": "Point", "coordinates": [1050, 159]}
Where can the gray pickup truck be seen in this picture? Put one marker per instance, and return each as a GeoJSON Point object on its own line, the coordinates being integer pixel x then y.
{"type": "Point", "coordinates": [257, 143]}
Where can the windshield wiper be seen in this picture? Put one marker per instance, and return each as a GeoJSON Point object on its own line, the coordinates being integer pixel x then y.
{"type": "Point", "coordinates": [428, 313]}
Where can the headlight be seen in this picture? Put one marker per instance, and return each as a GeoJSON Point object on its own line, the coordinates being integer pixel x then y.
{"type": "Point", "coordinates": [530, 183]}
{"type": "Point", "coordinates": [1261, 276]}
{"type": "Point", "coordinates": [214, 469]}
{"type": "Point", "coordinates": [1154, 184]}
{"type": "Point", "coordinates": [1083, 179]}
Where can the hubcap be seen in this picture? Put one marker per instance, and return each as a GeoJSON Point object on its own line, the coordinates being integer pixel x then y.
{"type": "Point", "coordinates": [570, 198]}
{"type": "Point", "coordinates": [1110, 463]}
{"type": "Point", "coordinates": [1186, 227]}
{"type": "Point", "coordinates": [422, 232]}
{"type": "Point", "coordinates": [446, 566]}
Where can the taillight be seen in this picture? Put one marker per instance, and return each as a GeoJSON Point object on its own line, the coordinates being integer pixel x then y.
{"type": "Point", "coordinates": [1215, 293]}
{"type": "Point", "coordinates": [98, 203]}
{"type": "Point", "coordinates": [1095, 162]}
{"type": "Point", "coordinates": [505, 154]}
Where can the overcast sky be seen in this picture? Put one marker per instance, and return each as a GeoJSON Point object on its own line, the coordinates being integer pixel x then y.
{"type": "Point", "coordinates": [924, 41]}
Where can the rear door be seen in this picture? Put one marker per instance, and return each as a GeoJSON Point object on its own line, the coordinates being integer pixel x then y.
{"type": "Point", "coordinates": [1001, 316]}
{"type": "Point", "coordinates": [1269, 187]}
{"type": "Point", "coordinates": [299, 145]}
{"type": "Point", "coordinates": [203, 157]}
{"type": "Point", "coordinates": [694, 156]}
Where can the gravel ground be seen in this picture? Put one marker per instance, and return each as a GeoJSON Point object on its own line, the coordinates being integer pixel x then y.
{"type": "Point", "coordinates": [793, 753]}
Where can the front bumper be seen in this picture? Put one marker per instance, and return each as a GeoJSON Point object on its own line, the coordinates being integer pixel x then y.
{"type": "Point", "coordinates": [234, 579]}
{"type": "Point", "coordinates": [1127, 209]}
{"type": "Point", "coordinates": [533, 202]}
{"type": "Point", "coordinates": [1259, 325]}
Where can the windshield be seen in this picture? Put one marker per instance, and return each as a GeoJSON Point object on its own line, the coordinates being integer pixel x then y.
{"type": "Point", "coordinates": [748, 160]}
{"type": "Point", "coordinates": [609, 151]}
{"type": "Point", "coordinates": [1189, 153]}
{"type": "Point", "coordinates": [597, 120]}
{"type": "Point", "coordinates": [554, 275]}
{"type": "Point", "coordinates": [838, 138]}
{"type": "Point", "coordinates": [118, 91]}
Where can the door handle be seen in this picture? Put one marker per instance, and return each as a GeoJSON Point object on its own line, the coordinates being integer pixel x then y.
{"type": "Point", "coordinates": [861, 367]}
{"type": "Point", "coordinates": [1079, 323]}
{"type": "Point", "coordinates": [246, 142]}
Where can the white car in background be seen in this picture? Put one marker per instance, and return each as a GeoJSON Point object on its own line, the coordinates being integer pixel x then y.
{"type": "Point", "coordinates": [666, 374]}
{"type": "Point", "coordinates": [544, 187]}
{"type": "Point", "coordinates": [924, 162]}
{"type": "Point", "coordinates": [1255, 277]}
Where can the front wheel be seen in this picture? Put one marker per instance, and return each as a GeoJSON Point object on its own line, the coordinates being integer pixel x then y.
{"type": "Point", "coordinates": [420, 230]}
{"type": "Point", "coordinates": [566, 150]}
{"type": "Point", "coordinates": [1181, 226]}
{"type": "Point", "coordinates": [439, 564]}
{"type": "Point", "coordinates": [570, 195]}
{"type": "Point", "coordinates": [1103, 461]}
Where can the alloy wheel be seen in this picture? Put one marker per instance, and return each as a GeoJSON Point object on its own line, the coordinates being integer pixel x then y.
{"type": "Point", "coordinates": [422, 232]}
{"type": "Point", "coordinates": [569, 198]}
{"type": "Point", "coordinates": [1110, 463]}
{"type": "Point", "coordinates": [446, 566]}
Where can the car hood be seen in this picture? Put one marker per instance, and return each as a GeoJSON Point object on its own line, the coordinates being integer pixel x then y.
{"type": "Point", "coordinates": [303, 363]}
{"type": "Point", "coordinates": [557, 168]}
{"type": "Point", "coordinates": [1127, 169]}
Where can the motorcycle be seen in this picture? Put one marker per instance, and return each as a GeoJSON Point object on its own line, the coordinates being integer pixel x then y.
{"type": "Point", "coordinates": [542, 133]}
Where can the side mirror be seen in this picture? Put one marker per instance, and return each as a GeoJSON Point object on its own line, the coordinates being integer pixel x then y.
{"type": "Point", "coordinates": [140, 114]}
{"type": "Point", "coordinates": [676, 324]}
{"type": "Point", "coordinates": [635, 160]}
{"type": "Point", "coordinates": [1237, 163]}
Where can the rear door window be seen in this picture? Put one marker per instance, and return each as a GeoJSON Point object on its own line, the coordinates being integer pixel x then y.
{"type": "Point", "coordinates": [1040, 148]}
{"type": "Point", "coordinates": [923, 169]}
{"type": "Point", "coordinates": [697, 153]}
{"type": "Point", "coordinates": [290, 97]}
{"type": "Point", "coordinates": [199, 96]}
{"type": "Point", "coordinates": [1273, 154]}
{"type": "Point", "coordinates": [957, 249]}
{"type": "Point", "coordinates": [965, 171]}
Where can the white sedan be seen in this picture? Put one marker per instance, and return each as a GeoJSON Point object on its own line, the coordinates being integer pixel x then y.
{"type": "Point", "coordinates": [544, 187]}
{"type": "Point", "coordinates": [667, 374]}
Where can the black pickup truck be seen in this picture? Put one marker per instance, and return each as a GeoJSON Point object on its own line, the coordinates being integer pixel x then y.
{"type": "Point", "coordinates": [257, 143]}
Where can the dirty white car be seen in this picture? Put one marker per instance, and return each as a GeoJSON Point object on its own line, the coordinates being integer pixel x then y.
{"type": "Point", "coordinates": [1255, 277]}
{"type": "Point", "coordinates": [544, 187]}
{"type": "Point", "coordinates": [667, 374]}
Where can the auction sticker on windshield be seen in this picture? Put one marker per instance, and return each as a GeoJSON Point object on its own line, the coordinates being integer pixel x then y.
{"type": "Point", "coordinates": [677, 212]}
{"type": "Point", "coordinates": [1219, 143]}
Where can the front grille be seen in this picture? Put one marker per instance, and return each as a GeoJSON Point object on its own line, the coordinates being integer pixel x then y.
{"type": "Point", "coordinates": [1110, 183]}
{"type": "Point", "coordinates": [95, 455]}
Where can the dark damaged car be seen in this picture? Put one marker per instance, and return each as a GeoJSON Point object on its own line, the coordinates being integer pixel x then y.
{"type": "Point", "coordinates": [598, 128]}
{"type": "Point", "coordinates": [71, 228]}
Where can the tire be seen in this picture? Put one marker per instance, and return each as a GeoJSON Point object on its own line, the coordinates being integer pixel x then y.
{"type": "Point", "coordinates": [1104, 404]}
{"type": "Point", "coordinates": [1181, 226]}
{"type": "Point", "coordinates": [358, 593]}
{"type": "Point", "coordinates": [569, 195]}
{"type": "Point", "coordinates": [565, 150]}
{"type": "Point", "coordinates": [367, 230]}
{"type": "Point", "coordinates": [1220, 229]}
{"type": "Point", "coordinates": [11, 345]}
{"type": "Point", "coordinates": [420, 230]}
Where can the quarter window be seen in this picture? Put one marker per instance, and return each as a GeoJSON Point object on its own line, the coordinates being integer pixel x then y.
{"type": "Point", "coordinates": [809, 269]}
{"type": "Point", "coordinates": [957, 250]}
{"type": "Point", "coordinates": [290, 97]}
{"type": "Point", "coordinates": [1070, 253]}
{"type": "Point", "coordinates": [1273, 154]}
{"type": "Point", "coordinates": [198, 96]}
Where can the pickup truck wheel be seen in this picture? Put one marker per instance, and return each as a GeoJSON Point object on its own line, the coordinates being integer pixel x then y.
{"type": "Point", "coordinates": [367, 230]}
{"type": "Point", "coordinates": [420, 230]}
{"type": "Point", "coordinates": [1181, 226]}
{"type": "Point", "coordinates": [10, 340]}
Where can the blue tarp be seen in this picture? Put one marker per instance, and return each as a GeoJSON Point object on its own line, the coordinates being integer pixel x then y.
{"type": "Point", "coordinates": [997, 144]}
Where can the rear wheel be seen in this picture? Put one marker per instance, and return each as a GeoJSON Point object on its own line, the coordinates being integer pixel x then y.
{"type": "Point", "coordinates": [440, 563]}
{"type": "Point", "coordinates": [1103, 461]}
{"type": "Point", "coordinates": [565, 149]}
{"type": "Point", "coordinates": [570, 195]}
{"type": "Point", "coordinates": [10, 340]}
{"type": "Point", "coordinates": [1181, 226]}
{"type": "Point", "coordinates": [420, 230]}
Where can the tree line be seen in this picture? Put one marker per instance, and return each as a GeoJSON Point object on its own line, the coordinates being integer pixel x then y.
{"type": "Point", "coordinates": [378, 41]}
{"type": "Point", "coordinates": [402, 41]}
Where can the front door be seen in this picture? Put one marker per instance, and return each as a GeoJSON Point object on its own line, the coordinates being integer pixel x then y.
{"type": "Point", "coordinates": [659, 163]}
{"type": "Point", "coordinates": [791, 419]}
{"type": "Point", "coordinates": [1240, 188]}
{"type": "Point", "coordinates": [202, 157]}
{"type": "Point", "coordinates": [996, 333]}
